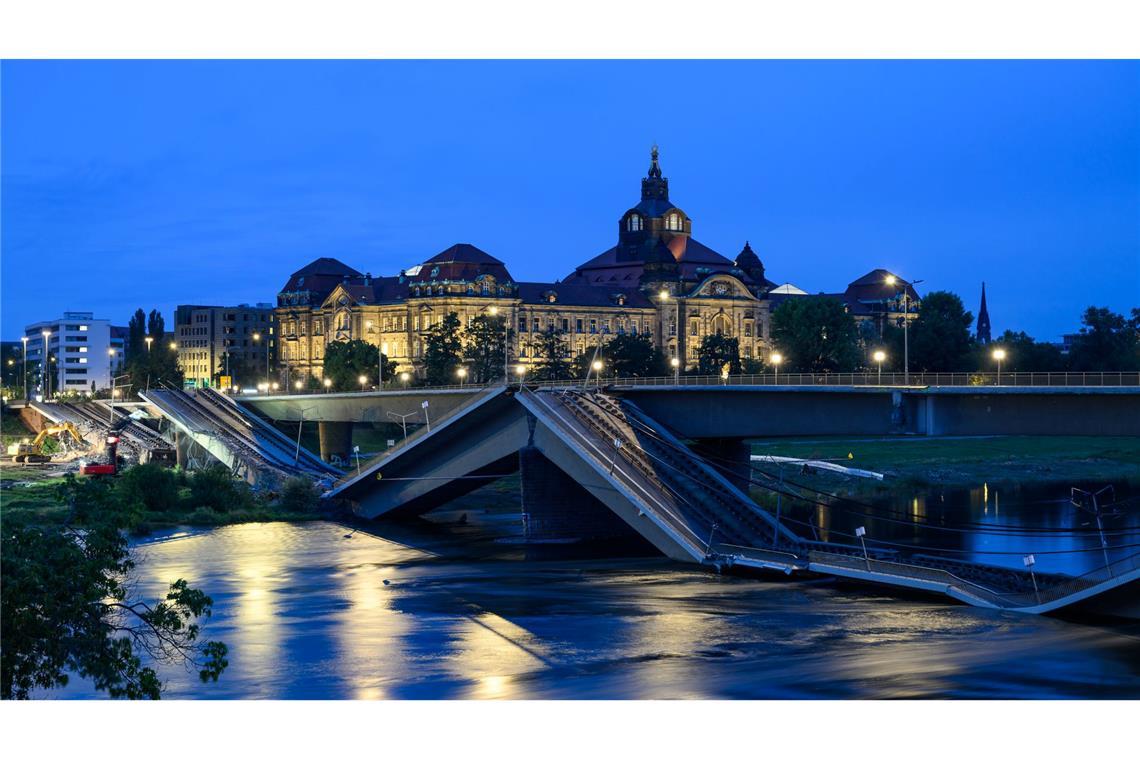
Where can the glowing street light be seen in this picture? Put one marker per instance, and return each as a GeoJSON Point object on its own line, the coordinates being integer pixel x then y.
{"type": "Point", "coordinates": [327, 382]}
{"type": "Point", "coordinates": [363, 379]}
{"type": "Point", "coordinates": [298, 385]}
{"type": "Point", "coordinates": [404, 378]}
{"type": "Point", "coordinates": [999, 355]}
{"type": "Point", "coordinates": [676, 370]}
{"type": "Point", "coordinates": [775, 360]}
{"type": "Point", "coordinates": [44, 365]}
{"type": "Point", "coordinates": [521, 372]}
{"type": "Point", "coordinates": [274, 386]}
{"type": "Point", "coordinates": [598, 366]}
{"type": "Point", "coordinates": [149, 340]}
{"type": "Point", "coordinates": [879, 356]}
{"type": "Point", "coordinates": [462, 373]}
{"type": "Point", "coordinates": [893, 282]}
{"type": "Point", "coordinates": [173, 346]}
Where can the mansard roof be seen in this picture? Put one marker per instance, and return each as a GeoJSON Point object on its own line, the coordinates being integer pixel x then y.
{"type": "Point", "coordinates": [579, 294]}
{"type": "Point", "coordinates": [873, 287]}
{"type": "Point", "coordinates": [461, 262]}
{"type": "Point", "coordinates": [313, 282]}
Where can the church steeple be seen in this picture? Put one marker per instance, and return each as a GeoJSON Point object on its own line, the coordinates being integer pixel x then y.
{"type": "Point", "coordinates": [654, 186]}
{"type": "Point", "coordinates": [984, 319]}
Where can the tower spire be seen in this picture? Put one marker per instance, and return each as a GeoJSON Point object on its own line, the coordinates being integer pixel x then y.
{"type": "Point", "coordinates": [654, 186]}
{"type": "Point", "coordinates": [984, 319]}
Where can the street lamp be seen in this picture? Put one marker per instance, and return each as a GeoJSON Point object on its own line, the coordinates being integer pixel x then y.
{"type": "Point", "coordinates": [598, 366]}
{"type": "Point", "coordinates": [404, 378]}
{"type": "Point", "coordinates": [879, 356]}
{"type": "Point", "coordinates": [676, 370]}
{"type": "Point", "coordinates": [494, 312]}
{"type": "Point", "coordinates": [775, 360]}
{"type": "Point", "coordinates": [257, 338]}
{"type": "Point", "coordinates": [298, 385]}
{"type": "Point", "coordinates": [149, 340]}
{"type": "Point", "coordinates": [274, 386]}
{"type": "Point", "coordinates": [892, 281]}
{"type": "Point", "coordinates": [999, 355]}
{"type": "Point", "coordinates": [327, 383]}
{"type": "Point", "coordinates": [44, 366]}
{"type": "Point", "coordinates": [362, 379]}
{"type": "Point", "coordinates": [520, 371]}
{"type": "Point", "coordinates": [664, 296]}
{"type": "Point", "coordinates": [462, 372]}
{"type": "Point", "coordinates": [24, 340]}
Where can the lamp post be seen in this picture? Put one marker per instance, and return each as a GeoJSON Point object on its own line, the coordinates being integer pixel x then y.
{"type": "Point", "coordinates": [893, 281]}
{"type": "Point", "coordinates": [1029, 561]}
{"type": "Point", "coordinates": [257, 339]}
{"type": "Point", "coordinates": [999, 355]}
{"type": "Point", "coordinates": [462, 372]}
{"type": "Point", "coordinates": [879, 356]}
{"type": "Point", "coordinates": [494, 312]}
{"type": "Point", "coordinates": [149, 340]}
{"type": "Point", "coordinates": [775, 360]}
{"type": "Point", "coordinates": [24, 340]}
{"type": "Point", "coordinates": [298, 385]}
{"type": "Point", "coordinates": [404, 377]}
{"type": "Point", "coordinates": [363, 379]}
{"type": "Point", "coordinates": [676, 370]}
{"type": "Point", "coordinates": [327, 382]}
{"type": "Point", "coordinates": [598, 366]}
{"type": "Point", "coordinates": [521, 372]}
{"type": "Point", "coordinates": [44, 365]}
{"type": "Point", "coordinates": [664, 296]}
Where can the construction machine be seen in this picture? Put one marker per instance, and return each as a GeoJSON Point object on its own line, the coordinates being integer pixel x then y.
{"type": "Point", "coordinates": [33, 452]}
{"type": "Point", "coordinates": [110, 463]}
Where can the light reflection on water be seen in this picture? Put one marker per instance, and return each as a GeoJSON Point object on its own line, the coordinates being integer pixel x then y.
{"type": "Point", "coordinates": [307, 614]}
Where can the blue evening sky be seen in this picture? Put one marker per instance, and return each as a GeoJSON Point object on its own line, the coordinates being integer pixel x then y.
{"type": "Point", "coordinates": [128, 184]}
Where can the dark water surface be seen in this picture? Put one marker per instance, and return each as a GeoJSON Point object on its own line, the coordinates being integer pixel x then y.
{"type": "Point", "coordinates": [448, 611]}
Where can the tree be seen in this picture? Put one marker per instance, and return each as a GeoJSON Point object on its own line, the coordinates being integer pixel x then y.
{"type": "Point", "coordinates": [552, 362]}
{"type": "Point", "coordinates": [1108, 342]}
{"type": "Point", "coordinates": [717, 352]}
{"type": "Point", "coordinates": [68, 607]}
{"type": "Point", "coordinates": [940, 339]}
{"type": "Point", "coordinates": [635, 356]}
{"type": "Point", "coordinates": [443, 351]}
{"type": "Point", "coordinates": [1022, 354]}
{"type": "Point", "coordinates": [816, 335]}
{"type": "Point", "coordinates": [152, 364]}
{"type": "Point", "coordinates": [346, 360]}
{"type": "Point", "coordinates": [487, 337]}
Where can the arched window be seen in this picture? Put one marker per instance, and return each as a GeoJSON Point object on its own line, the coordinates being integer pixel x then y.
{"type": "Point", "coordinates": [633, 224]}
{"type": "Point", "coordinates": [673, 222]}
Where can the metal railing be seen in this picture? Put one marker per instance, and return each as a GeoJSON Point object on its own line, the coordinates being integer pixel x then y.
{"type": "Point", "coordinates": [868, 379]}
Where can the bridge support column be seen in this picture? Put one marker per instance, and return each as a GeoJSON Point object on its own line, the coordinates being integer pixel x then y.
{"type": "Point", "coordinates": [732, 457]}
{"type": "Point", "coordinates": [336, 441]}
{"type": "Point", "coordinates": [554, 506]}
{"type": "Point", "coordinates": [181, 444]}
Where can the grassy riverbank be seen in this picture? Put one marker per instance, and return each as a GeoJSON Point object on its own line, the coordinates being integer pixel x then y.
{"type": "Point", "coordinates": [158, 497]}
{"type": "Point", "coordinates": [909, 463]}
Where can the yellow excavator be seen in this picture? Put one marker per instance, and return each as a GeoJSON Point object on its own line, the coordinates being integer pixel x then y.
{"type": "Point", "coordinates": [29, 453]}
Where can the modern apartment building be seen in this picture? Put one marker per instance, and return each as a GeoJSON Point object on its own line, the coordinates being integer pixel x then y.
{"type": "Point", "coordinates": [218, 342]}
{"type": "Point", "coordinates": [81, 353]}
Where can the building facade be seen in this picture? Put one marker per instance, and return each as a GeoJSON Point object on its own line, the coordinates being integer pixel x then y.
{"type": "Point", "coordinates": [226, 345]}
{"type": "Point", "coordinates": [81, 353]}
{"type": "Point", "coordinates": [657, 280]}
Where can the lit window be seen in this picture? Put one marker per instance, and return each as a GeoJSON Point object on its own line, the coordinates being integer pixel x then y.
{"type": "Point", "coordinates": [83, 328]}
{"type": "Point", "coordinates": [633, 224]}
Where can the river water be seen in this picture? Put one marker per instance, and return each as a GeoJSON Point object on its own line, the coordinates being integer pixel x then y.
{"type": "Point", "coordinates": [445, 610]}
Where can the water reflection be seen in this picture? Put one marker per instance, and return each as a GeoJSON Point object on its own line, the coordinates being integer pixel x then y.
{"type": "Point", "coordinates": [310, 614]}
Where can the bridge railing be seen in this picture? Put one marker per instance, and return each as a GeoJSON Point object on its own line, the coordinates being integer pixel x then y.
{"type": "Point", "coordinates": [868, 378]}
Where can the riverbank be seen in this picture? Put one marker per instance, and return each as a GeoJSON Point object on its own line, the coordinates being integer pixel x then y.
{"type": "Point", "coordinates": [910, 463]}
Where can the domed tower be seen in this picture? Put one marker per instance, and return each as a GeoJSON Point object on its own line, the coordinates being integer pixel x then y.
{"type": "Point", "coordinates": [652, 231]}
{"type": "Point", "coordinates": [748, 262]}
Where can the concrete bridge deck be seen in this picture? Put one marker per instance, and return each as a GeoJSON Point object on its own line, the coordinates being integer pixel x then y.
{"type": "Point", "coordinates": [621, 458]}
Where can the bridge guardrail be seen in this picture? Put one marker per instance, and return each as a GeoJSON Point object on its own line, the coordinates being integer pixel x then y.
{"type": "Point", "coordinates": [868, 379]}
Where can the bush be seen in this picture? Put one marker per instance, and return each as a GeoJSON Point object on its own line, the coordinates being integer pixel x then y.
{"type": "Point", "coordinates": [154, 486]}
{"type": "Point", "coordinates": [216, 488]}
{"type": "Point", "coordinates": [298, 495]}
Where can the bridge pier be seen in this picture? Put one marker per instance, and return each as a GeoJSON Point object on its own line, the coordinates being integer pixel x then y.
{"type": "Point", "coordinates": [336, 441]}
{"type": "Point", "coordinates": [732, 457]}
{"type": "Point", "coordinates": [555, 506]}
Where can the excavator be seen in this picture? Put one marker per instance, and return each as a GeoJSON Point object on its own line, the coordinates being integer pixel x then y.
{"type": "Point", "coordinates": [30, 453]}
